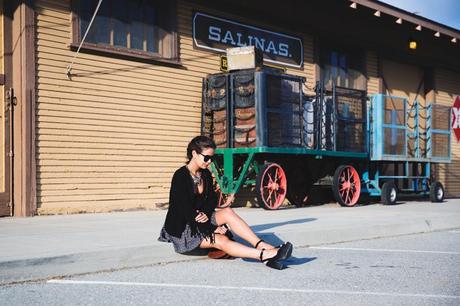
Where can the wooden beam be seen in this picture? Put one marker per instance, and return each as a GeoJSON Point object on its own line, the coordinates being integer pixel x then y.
{"type": "Point", "coordinates": [23, 83]}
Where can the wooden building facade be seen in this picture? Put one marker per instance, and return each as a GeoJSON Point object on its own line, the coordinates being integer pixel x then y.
{"type": "Point", "coordinates": [104, 130]}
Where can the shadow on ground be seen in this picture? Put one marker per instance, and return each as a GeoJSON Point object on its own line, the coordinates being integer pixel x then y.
{"type": "Point", "coordinates": [292, 261]}
{"type": "Point", "coordinates": [262, 227]}
{"type": "Point", "coordinates": [296, 261]}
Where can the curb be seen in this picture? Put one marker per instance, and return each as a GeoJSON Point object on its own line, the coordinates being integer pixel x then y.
{"type": "Point", "coordinates": [39, 269]}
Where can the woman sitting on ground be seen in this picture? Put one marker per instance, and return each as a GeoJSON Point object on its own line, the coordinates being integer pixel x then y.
{"type": "Point", "coordinates": [192, 222]}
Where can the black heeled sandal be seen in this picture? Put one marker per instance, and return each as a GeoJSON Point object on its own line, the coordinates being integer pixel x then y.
{"type": "Point", "coordinates": [285, 249]}
{"type": "Point", "coordinates": [272, 262]}
{"type": "Point", "coordinates": [258, 242]}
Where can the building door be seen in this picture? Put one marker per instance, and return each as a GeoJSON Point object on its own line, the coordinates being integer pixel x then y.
{"type": "Point", "coordinates": [404, 80]}
{"type": "Point", "coordinates": [408, 82]}
{"type": "Point", "coordinates": [5, 123]}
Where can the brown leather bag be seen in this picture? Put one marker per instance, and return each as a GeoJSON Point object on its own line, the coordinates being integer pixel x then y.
{"type": "Point", "coordinates": [219, 254]}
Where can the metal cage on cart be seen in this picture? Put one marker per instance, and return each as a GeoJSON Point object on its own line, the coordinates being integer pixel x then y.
{"type": "Point", "coordinates": [240, 108]}
{"type": "Point", "coordinates": [405, 140]}
{"type": "Point", "coordinates": [272, 136]}
{"type": "Point", "coordinates": [265, 128]}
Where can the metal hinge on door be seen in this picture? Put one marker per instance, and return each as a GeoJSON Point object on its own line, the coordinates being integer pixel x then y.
{"type": "Point", "coordinates": [10, 99]}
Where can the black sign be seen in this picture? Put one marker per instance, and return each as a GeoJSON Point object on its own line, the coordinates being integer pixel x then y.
{"type": "Point", "coordinates": [223, 63]}
{"type": "Point", "coordinates": [218, 34]}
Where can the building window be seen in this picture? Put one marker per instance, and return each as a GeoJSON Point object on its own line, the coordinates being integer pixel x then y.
{"type": "Point", "coordinates": [143, 28]}
{"type": "Point", "coordinates": [342, 68]}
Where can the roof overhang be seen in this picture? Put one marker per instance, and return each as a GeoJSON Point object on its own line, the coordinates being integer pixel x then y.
{"type": "Point", "coordinates": [420, 23]}
{"type": "Point", "coordinates": [336, 23]}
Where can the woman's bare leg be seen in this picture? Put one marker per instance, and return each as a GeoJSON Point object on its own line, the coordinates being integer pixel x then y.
{"type": "Point", "coordinates": [241, 228]}
{"type": "Point", "coordinates": [235, 249]}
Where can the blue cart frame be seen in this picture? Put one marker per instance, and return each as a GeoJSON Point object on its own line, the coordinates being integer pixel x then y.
{"type": "Point", "coordinates": [383, 124]}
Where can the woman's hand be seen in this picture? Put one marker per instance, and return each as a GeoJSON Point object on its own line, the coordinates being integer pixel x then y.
{"type": "Point", "coordinates": [201, 217]}
{"type": "Point", "coordinates": [221, 230]}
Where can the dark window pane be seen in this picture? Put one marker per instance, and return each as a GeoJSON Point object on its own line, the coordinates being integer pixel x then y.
{"type": "Point", "coordinates": [342, 67]}
{"type": "Point", "coordinates": [343, 62]}
{"type": "Point", "coordinates": [120, 23]}
{"type": "Point", "coordinates": [101, 23]}
{"type": "Point", "coordinates": [150, 21]}
{"type": "Point", "coordinates": [87, 8]}
{"type": "Point", "coordinates": [334, 64]}
{"type": "Point", "coordinates": [133, 24]}
{"type": "Point", "coordinates": [83, 26]}
{"type": "Point", "coordinates": [137, 31]}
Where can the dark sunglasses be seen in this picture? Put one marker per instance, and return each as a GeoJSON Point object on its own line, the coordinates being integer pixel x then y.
{"type": "Point", "coordinates": [207, 158]}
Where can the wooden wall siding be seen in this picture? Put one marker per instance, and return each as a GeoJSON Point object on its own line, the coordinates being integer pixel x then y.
{"type": "Point", "coordinates": [309, 65]}
{"type": "Point", "coordinates": [110, 138]}
{"type": "Point", "coordinates": [2, 106]}
{"type": "Point", "coordinates": [373, 80]}
{"type": "Point", "coordinates": [447, 85]}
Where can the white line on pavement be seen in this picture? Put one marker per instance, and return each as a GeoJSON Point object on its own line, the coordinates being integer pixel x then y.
{"type": "Point", "coordinates": [75, 282]}
{"type": "Point", "coordinates": [385, 250]}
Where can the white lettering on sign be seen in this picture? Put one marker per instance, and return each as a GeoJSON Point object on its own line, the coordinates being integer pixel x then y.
{"type": "Point", "coordinates": [237, 39]}
{"type": "Point", "coordinates": [240, 44]}
{"type": "Point", "coordinates": [283, 49]}
{"type": "Point", "coordinates": [456, 118]}
{"type": "Point", "coordinates": [214, 33]}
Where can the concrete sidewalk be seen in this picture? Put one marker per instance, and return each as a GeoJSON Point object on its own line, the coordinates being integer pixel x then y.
{"type": "Point", "coordinates": [50, 246]}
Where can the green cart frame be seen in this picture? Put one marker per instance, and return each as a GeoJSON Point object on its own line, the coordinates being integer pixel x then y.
{"type": "Point", "coordinates": [264, 168]}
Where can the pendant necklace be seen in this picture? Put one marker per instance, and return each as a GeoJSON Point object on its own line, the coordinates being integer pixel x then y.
{"type": "Point", "coordinates": [196, 178]}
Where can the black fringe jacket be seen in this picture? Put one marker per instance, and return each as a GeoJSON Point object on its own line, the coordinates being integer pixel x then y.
{"type": "Point", "coordinates": [183, 204]}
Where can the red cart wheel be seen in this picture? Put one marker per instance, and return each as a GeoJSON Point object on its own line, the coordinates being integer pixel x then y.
{"type": "Point", "coordinates": [271, 186]}
{"type": "Point", "coordinates": [346, 185]}
{"type": "Point", "coordinates": [221, 197]}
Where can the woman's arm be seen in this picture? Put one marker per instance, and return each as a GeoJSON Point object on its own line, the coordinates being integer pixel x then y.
{"type": "Point", "coordinates": [179, 198]}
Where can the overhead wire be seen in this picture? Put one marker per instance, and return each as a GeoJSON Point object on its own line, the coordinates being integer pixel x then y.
{"type": "Point", "coordinates": [69, 68]}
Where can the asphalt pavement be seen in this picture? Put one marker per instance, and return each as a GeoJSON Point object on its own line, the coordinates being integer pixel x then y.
{"type": "Point", "coordinates": [415, 269]}
{"type": "Point", "coordinates": [46, 247]}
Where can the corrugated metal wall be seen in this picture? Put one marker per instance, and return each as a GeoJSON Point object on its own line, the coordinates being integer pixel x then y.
{"type": "Point", "coordinates": [447, 84]}
{"type": "Point", "coordinates": [111, 137]}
